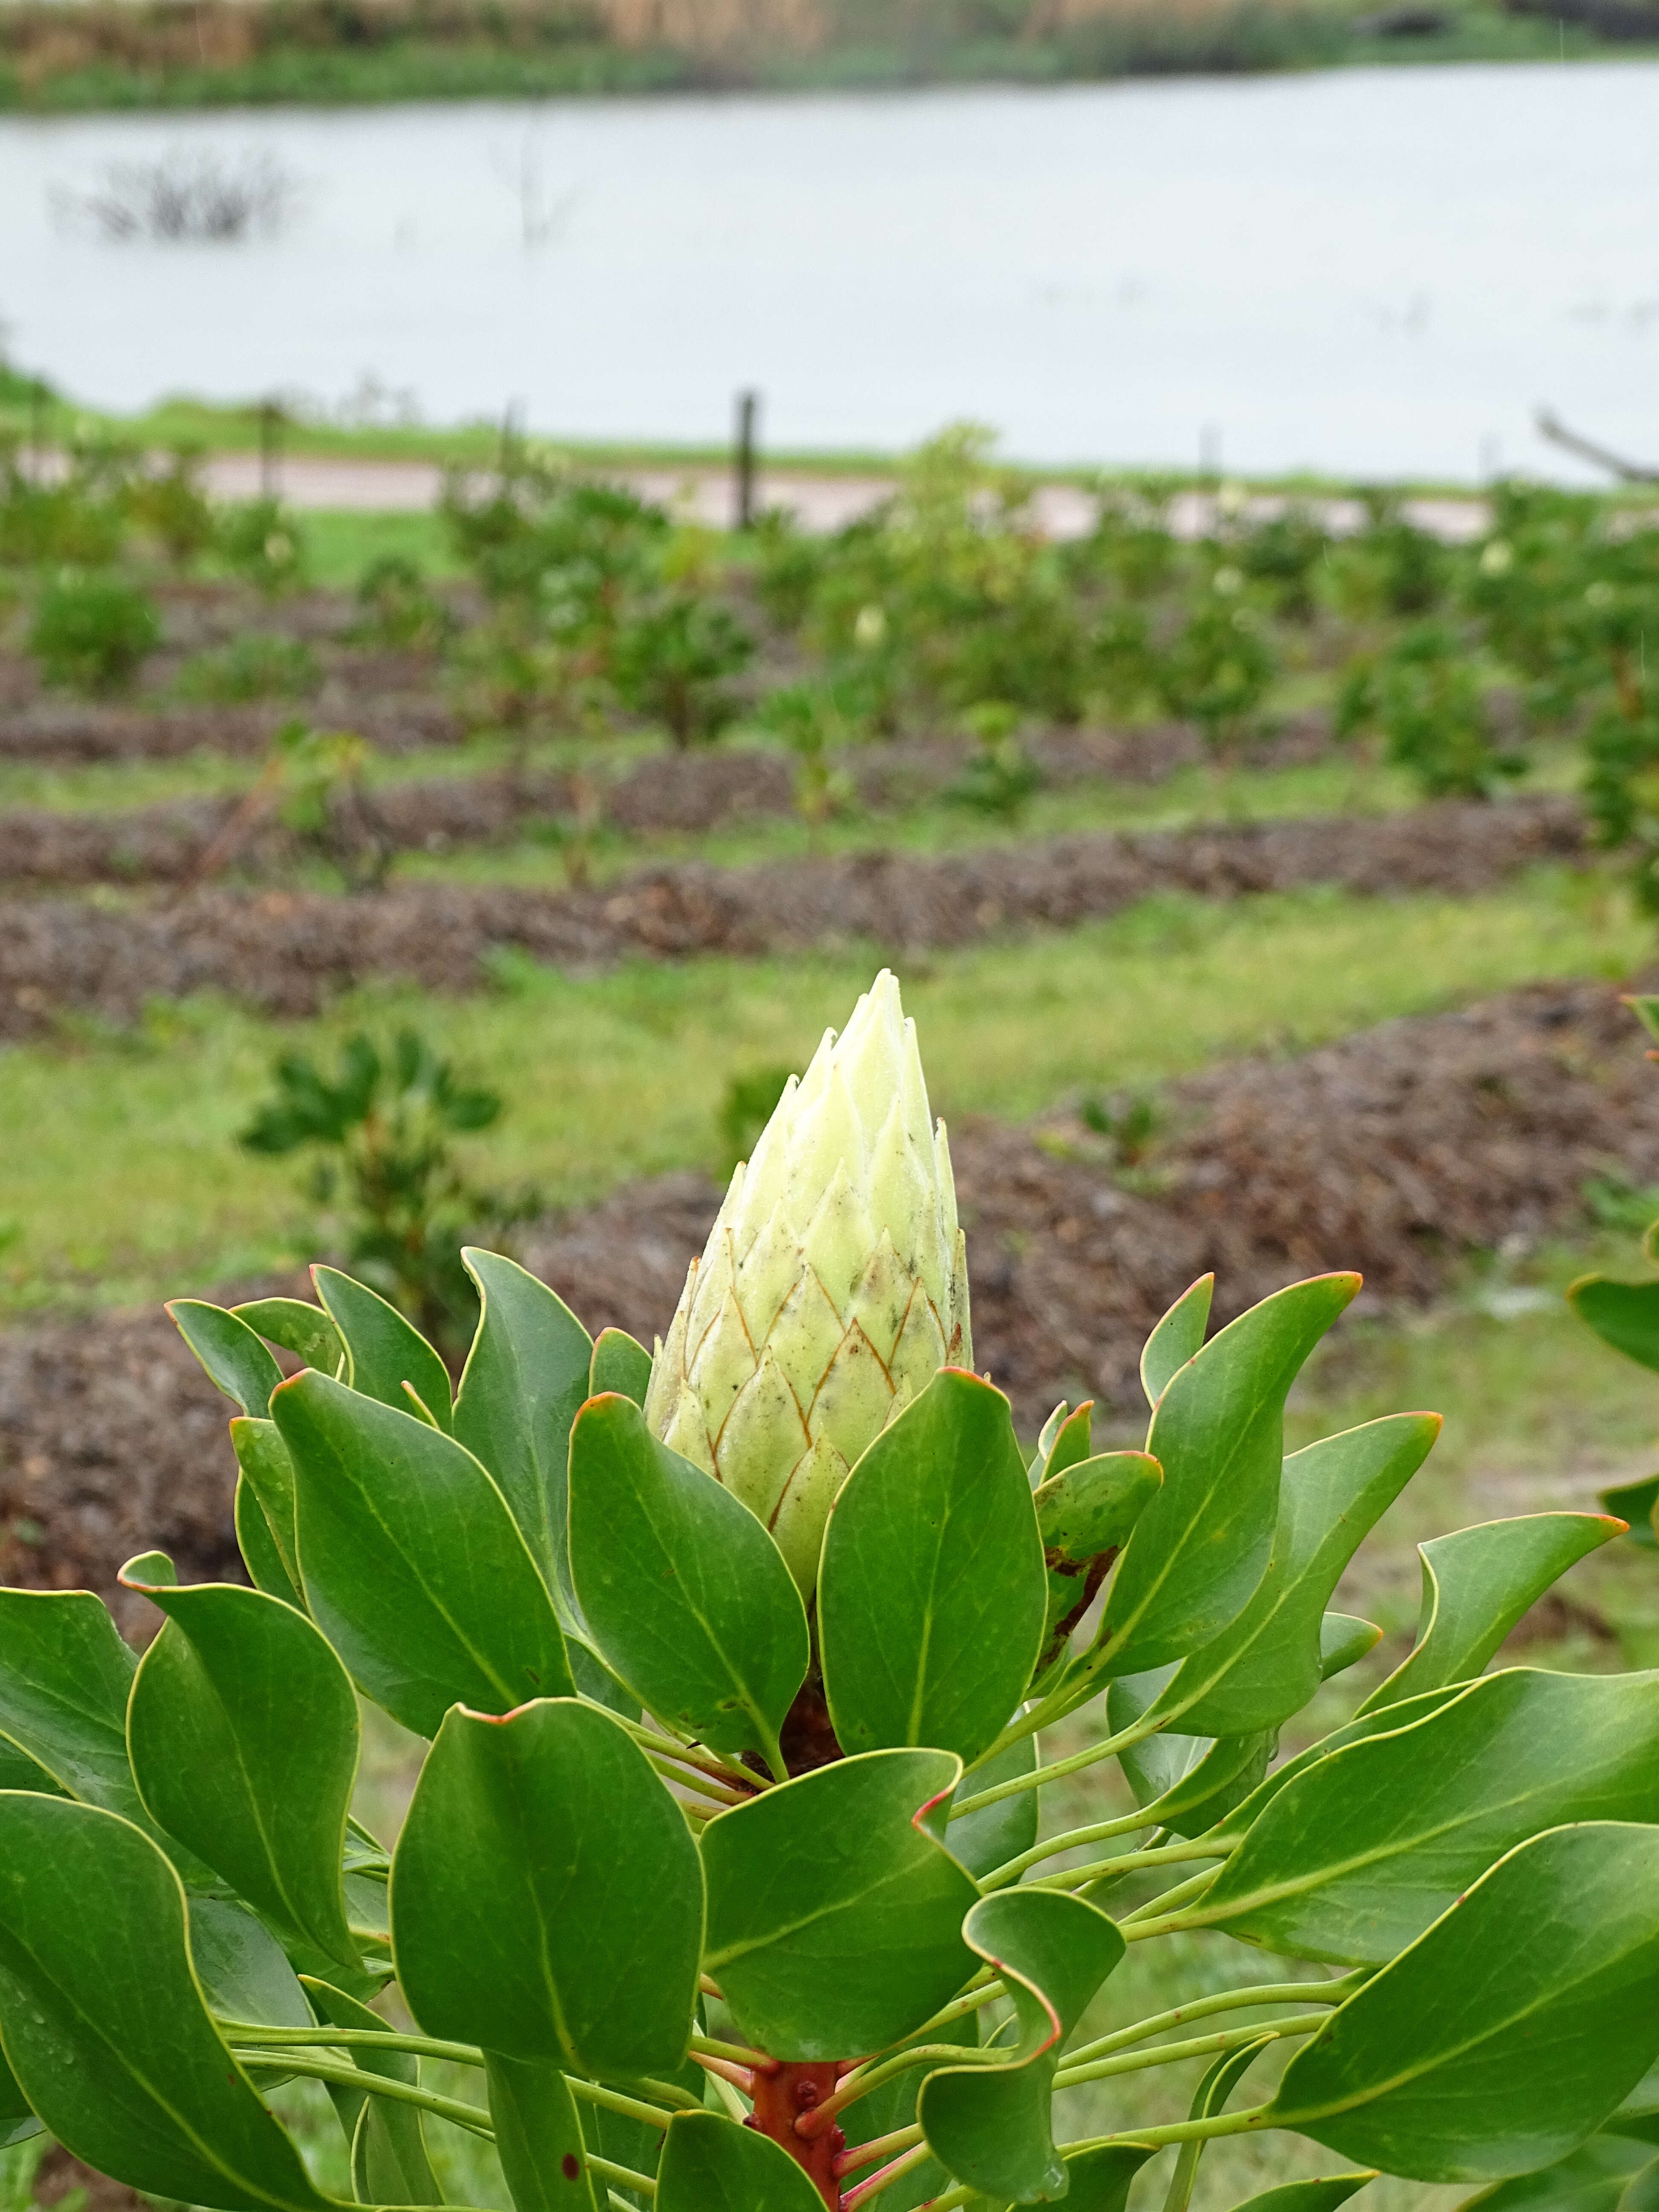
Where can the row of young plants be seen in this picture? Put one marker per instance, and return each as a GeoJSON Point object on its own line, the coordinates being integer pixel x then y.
{"type": "Point", "coordinates": [948, 606]}
{"type": "Point", "coordinates": [746, 1668]}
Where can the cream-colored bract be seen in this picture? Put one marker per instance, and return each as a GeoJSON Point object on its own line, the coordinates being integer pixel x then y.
{"type": "Point", "coordinates": [833, 1285]}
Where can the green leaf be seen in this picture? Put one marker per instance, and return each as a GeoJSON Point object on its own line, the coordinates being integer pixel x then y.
{"type": "Point", "coordinates": [243, 1970]}
{"type": "Point", "coordinates": [1208, 2098]}
{"type": "Point", "coordinates": [267, 1569]}
{"type": "Point", "coordinates": [64, 1678]}
{"type": "Point", "coordinates": [539, 2136]}
{"type": "Point", "coordinates": [834, 1919]}
{"type": "Point", "coordinates": [1323, 2194]}
{"type": "Point", "coordinates": [1624, 1314]}
{"type": "Point", "coordinates": [999, 1832]}
{"type": "Point", "coordinates": [1636, 1502]}
{"type": "Point", "coordinates": [235, 1359]}
{"type": "Point", "coordinates": [1190, 1781]}
{"type": "Point", "coordinates": [686, 1596]}
{"type": "Point", "coordinates": [1085, 1514]}
{"type": "Point", "coordinates": [1097, 2180]}
{"type": "Point", "coordinates": [524, 1377]}
{"type": "Point", "coordinates": [932, 1593]}
{"type": "Point", "coordinates": [990, 2124]}
{"type": "Point", "coordinates": [243, 1733]}
{"type": "Point", "coordinates": [1270, 1661]}
{"type": "Point", "coordinates": [620, 1363]}
{"type": "Point", "coordinates": [892, 2106]}
{"type": "Point", "coordinates": [546, 1896]}
{"type": "Point", "coordinates": [1343, 1643]}
{"type": "Point", "coordinates": [1504, 2036]}
{"type": "Point", "coordinates": [712, 2164]}
{"type": "Point", "coordinates": [412, 1565]}
{"type": "Point", "coordinates": [384, 1351]}
{"type": "Point", "coordinates": [304, 1330]}
{"type": "Point", "coordinates": [1477, 1582]}
{"type": "Point", "coordinates": [1177, 1338]}
{"type": "Point", "coordinates": [104, 2022]}
{"type": "Point", "coordinates": [1203, 1543]}
{"type": "Point", "coordinates": [1065, 1442]}
{"type": "Point", "coordinates": [1360, 1852]}
{"type": "Point", "coordinates": [389, 2161]}
{"type": "Point", "coordinates": [1591, 2178]}
{"type": "Point", "coordinates": [268, 1473]}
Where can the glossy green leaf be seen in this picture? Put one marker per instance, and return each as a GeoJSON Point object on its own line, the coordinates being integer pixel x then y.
{"type": "Point", "coordinates": [269, 1473]}
{"type": "Point", "coordinates": [104, 2024]}
{"type": "Point", "coordinates": [1591, 2178]}
{"type": "Point", "coordinates": [243, 1970]}
{"type": "Point", "coordinates": [1177, 1338]}
{"type": "Point", "coordinates": [1203, 1543]}
{"type": "Point", "coordinates": [686, 1596]}
{"type": "Point", "coordinates": [64, 1678]}
{"type": "Point", "coordinates": [230, 1351]}
{"type": "Point", "coordinates": [1361, 1729]}
{"type": "Point", "coordinates": [1641, 2193]}
{"type": "Point", "coordinates": [412, 1565]}
{"type": "Point", "coordinates": [1358, 1855]}
{"type": "Point", "coordinates": [1065, 1441]}
{"type": "Point", "coordinates": [1267, 1664]}
{"type": "Point", "coordinates": [384, 1351]}
{"type": "Point", "coordinates": [1343, 1643]}
{"type": "Point", "coordinates": [538, 2137]}
{"type": "Point", "coordinates": [524, 1377]}
{"type": "Point", "coordinates": [620, 1362]}
{"type": "Point", "coordinates": [990, 2124]}
{"type": "Point", "coordinates": [390, 2164]}
{"type": "Point", "coordinates": [999, 1832]}
{"type": "Point", "coordinates": [834, 1919]}
{"type": "Point", "coordinates": [1504, 2036]}
{"type": "Point", "coordinates": [305, 1330]}
{"type": "Point", "coordinates": [1624, 1314]}
{"type": "Point", "coordinates": [546, 1895]}
{"type": "Point", "coordinates": [1636, 1503]}
{"type": "Point", "coordinates": [243, 1733]}
{"type": "Point", "coordinates": [1209, 2098]}
{"type": "Point", "coordinates": [931, 1595]}
{"type": "Point", "coordinates": [893, 2106]}
{"type": "Point", "coordinates": [712, 2164]}
{"type": "Point", "coordinates": [1085, 1514]}
{"type": "Point", "coordinates": [1098, 2177]}
{"type": "Point", "coordinates": [1323, 2194]}
{"type": "Point", "coordinates": [267, 1569]}
{"type": "Point", "coordinates": [1477, 1582]}
{"type": "Point", "coordinates": [1188, 1782]}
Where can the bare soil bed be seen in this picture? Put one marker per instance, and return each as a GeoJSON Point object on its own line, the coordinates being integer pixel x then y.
{"type": "Point", "coordinates": [1397, 1151]}
{"type": "Point", "coordinates": [169, 842]}
{"type": "Point", "coordinates": [285, 951]}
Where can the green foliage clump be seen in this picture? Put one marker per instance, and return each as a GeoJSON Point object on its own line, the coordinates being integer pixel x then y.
{"type": "Point", "coordinates": [257, 665]}
{"type": "Point", "coordinates": [174, 509]}
{"type": "Point", "coordinates": [1217, 669]}
{"type": "Point", "coordinates": [1425, 697]}
{"type": "Point", "coordinates": [259, 541]}
{"type": "Point", "coordinates": [93, 632]}
{"type": "Point", "coordinates": [398, 608]}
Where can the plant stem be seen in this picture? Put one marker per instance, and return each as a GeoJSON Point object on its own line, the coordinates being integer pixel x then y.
{"type": "Point", "coordinates": [861, 2084]}
{"type": "Point", "coordinates": [740, 2077]}
{"type": "Point", "coordinates": [1266, 1993]}
{"type": "Point", "coordinates": [372, 2038]}
{"type": "Point", "coordinates": [1000, 1877]}
{"type": "Point", "coordinates": [612, 2100]}
{"type": "Point", "coordinates": [1172, 2131]}
{"type": "Point", "coordinates": [878, 2147]}
{"type": "Point", "coordinates": [883, 2177]}
{"type": "Point", "coordinates": [374, 2085]}
{"type": "Point", "coordinates": [1130, 1861]}
{"type": "Point", "coordinates": [709, 2046]}
{"type": "Point", "coordinates": [1155, 1917]}
{"type": "Point", "coordinates": [645, 2183]}
{"type": "Point", "coordinates": [706, 1761]}
{"type": "Point", "coordinates": [1197, 2046]}
{"type": "Point", "coordinates": [715, 1792]}
{"type": "Point", "coordinates": [1041, 1776]}
{"type": "Point", "coordinates": [669, 2093]}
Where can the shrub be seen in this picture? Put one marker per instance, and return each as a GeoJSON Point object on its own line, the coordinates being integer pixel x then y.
{"type": "Point", "coordinates": [1425, 697]}
{"type": "Point", "coordinates": [741, 1668]}
{"type": "Point", "coordinates": [259, 541]}
{"type": "Point", "coordinates": [93, 633]}
{"type": "Point", "coordinates": [1217, 669]}
{"type": "Point", "coordinates": [672, 660]}
{"type": "Point", "coordinates": [398, 608]}
{"type": "Point", "coordinates": [255, 666]}
{"type": "Point", "coordinates": [174, 510]}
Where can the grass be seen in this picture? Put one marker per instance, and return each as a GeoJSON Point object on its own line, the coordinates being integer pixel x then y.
{"type": "Point", "coordinates": [340, 542]}
{"type": "Point", "coordinates": [131, 1185]}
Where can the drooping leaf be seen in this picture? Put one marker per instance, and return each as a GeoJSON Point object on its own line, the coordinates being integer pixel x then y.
{"type": "Point", "coordinates": [621, 1364]}
{"type": "Point", "coordinates": [1624, 1314]}
{"type": "Point", "coordinates": [390, 2164]}
{"type": "Point", "coordinates": [64, 1678]}
{"type": "Point", "coordinates": [104, 2023]}
{"type": "Point", "coordinates": [524, 1377]}
{"type": "Point", "coordinates": [243, 1733]}
{"type": "Point", "coordinates": [412, 1565]}
{"type": "Point", "coordinates": [1323, 2194]}
{"type": "Point", "coordinates": [539, 2136]}
{"type": "Point", "coordinates": [384, 1351]}
{"type": "Point", "coordinates": [1097, 2180]}
{"type": "Point", "coordinates": [266, 1567]}
{"type": "Point", "coordinates": [996, 1833]}
{"type": "Point", "coordinates": [1269, 1662]}
{"type": "Point", "coordinates": [268, 1473]}
{"type": "Point", "coordinates": [685, 1593]}
{"type": "Point", "coordinates": [244, 1972]}
{"type": "Point", "coordinates": [1636, 1502]}
{"type": "Point", "coordinates": [1506, 2035]}
{"type": "Point", "coordinates": [834, 1919]}
{"type": "Point", "coordinates": [1202, 1544]}
{"type": "Point", "coordinates": [1477, 1582]}
{"type": "Point", "coordinates": [305, 1330]}
{"type": "Point", "coordinates": [546, 1896]}
{"type": "Point", "coordinates": [710, 2164]}
{"type": "Point", "coordinates": [1085, 1514]}
{"type": "Point", "coordinates": [990, 2124]}
{"type": "Point", "coordinates": [1359, 1853]}
{"type": "Point", "coordinates": [1591, 2178]}
{"type": "Point", "coordinates": [230, 1352]}
{"type": "Point", "coordinates": [1209, 2098]}
{"type": "Point", "coordinates": [1177, 1338]}
{"type": "Point", "coordinates": [931, 1595]}
{"type": "Point", "coordinates": [1190, 1782]}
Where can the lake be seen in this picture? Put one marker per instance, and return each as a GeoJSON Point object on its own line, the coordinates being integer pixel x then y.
{"type": "Point", "coordinates": [1368, 271]}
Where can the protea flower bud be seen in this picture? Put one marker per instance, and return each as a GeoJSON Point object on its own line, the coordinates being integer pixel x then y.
{"type": "Point", "coordinates": [833, 1287]}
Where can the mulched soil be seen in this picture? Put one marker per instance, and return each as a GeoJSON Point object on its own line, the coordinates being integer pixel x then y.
{"type": "Point", "coordinates": [1396, 1152]}
{"type": "Point", "coordinates": [285, 951]}
{"type": "Point", "coordinates": [689, 792]}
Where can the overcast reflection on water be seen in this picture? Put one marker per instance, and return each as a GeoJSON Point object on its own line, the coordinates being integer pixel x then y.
{"type": "Point", "coordinates": [1366, 271]}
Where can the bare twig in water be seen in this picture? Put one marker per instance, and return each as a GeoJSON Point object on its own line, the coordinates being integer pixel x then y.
{"type": "Point", "coordinates": [184, 198]}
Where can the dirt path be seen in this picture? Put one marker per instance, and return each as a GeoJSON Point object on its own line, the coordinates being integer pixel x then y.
{"type": "Point", "coordinates": [1394, 1150]}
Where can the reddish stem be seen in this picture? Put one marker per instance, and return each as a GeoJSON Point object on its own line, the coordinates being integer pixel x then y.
{"type": "Point", "coordinates": [779, 2100]}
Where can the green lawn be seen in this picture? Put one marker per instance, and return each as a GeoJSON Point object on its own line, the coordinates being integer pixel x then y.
{"type": "Point", "coordinates": [130, 1184]}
